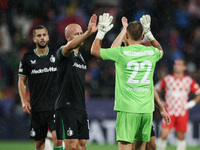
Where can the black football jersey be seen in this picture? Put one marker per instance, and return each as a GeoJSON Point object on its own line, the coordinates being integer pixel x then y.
{"type": "Point", "coordinates": [71, 81]}
{"type": "Point", "coordinates": [41, 73]}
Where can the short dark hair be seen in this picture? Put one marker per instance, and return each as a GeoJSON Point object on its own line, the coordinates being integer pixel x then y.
{"type": "Point", "coordinates": [135, 30]}
{"type": "Point", "coordinates": [181, 59]}
{"type": "Point", "coordinates": [39, 27]}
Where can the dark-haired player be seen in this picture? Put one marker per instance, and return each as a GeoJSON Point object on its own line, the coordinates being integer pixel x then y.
{"type": "Point", "coordinates": [151, 145]}
{"type": "Point", "coordinates": [39, 67]}
{"type": "Point", "coordinates": [134, 90]}
{"type": "Point", "coordinates": [177, 87]}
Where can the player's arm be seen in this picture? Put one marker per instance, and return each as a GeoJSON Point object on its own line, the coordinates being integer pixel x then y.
{"type": "Point", "coordinates": [195, 88]}
{"type": "Point", "coordinates": [192, 102]}
{"type": "Point", "coordinates": [118, 41]}
{"type": "Point", "coordinates": [104, 26]}
{"type": "Point", "coordinates": [22, 92]}
{"type": "Point", "coordinates": [160, 106]}
{"type": "Point", "coordinates": [77, 41]}
{"type": "Point", "coordinates": [146, 22]}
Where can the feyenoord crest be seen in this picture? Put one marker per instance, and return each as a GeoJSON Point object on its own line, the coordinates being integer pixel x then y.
{"type": "Point", "coordinates": [32, 133]}
{"type": "Point", "coordinates": [70, 132]}
{"type": "Point", "coordinates": [52, 59]}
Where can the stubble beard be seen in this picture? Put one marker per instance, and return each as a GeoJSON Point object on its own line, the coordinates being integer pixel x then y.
{"type": "Point", "coordinates": [42, 46]}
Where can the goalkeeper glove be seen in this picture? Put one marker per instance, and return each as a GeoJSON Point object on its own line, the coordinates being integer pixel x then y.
{"type": "Point", "coordinates": [104, 25]}
{"type": "Point", "coordinates": [146, 22]}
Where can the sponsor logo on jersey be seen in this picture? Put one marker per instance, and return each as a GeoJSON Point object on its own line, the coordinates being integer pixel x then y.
{"type": "Point", "coordinates": [138, 89]}
{"type": "Point", "coordinates": [44, 70]}
{"type": "Point", "coordinates": [79, 66]}
{"type": "Point", "coordinates": [70, 132]}
{"type": "Point", "coordinates": [52, 59]}
{"type": "Point", "coordinates": [33, 61]}
{"type": "Point", "coordinates": [131, 53]}
{"type": "Point", "coordinates": [32, 133]}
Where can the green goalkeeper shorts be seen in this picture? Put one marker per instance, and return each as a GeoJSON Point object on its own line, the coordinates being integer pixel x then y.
{"type": "Point", "coordinates": [133, 126]}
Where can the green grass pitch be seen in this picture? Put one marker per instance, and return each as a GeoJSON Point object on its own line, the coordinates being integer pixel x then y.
{"type": "Point", "coordinates": [29, 145]}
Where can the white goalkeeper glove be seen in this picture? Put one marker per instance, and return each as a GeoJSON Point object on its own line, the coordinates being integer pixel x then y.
{"type": "Point", "coordinates": [190, 104]}
{"type": "Point", "coordinates": [146, 22]}
{"type": "Point", "coordinates": [104, 25]}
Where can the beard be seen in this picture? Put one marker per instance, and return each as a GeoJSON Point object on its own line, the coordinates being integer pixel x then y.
{"type": "Point", "coordinates": [42, 46]}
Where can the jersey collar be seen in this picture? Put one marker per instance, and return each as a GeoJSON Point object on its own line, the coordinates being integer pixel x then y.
{"type": "Point", "coordinates": [41, 55]}
{"type": "Point", "coordinates": [79, 56]}
{"type": "Point", "coordinates": [181, 78]}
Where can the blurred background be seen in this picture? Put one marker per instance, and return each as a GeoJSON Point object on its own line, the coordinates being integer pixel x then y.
{"type": "Point", "coordinates": [175, 24]}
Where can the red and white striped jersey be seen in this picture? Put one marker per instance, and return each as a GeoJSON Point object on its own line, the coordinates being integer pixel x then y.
{"type": "Point", "coordinates": [177, 92]}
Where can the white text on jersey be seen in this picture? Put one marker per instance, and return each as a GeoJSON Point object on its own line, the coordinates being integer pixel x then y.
{"type": "Point", "coordinates": [131, 53]}
{"type": "Point", "coordinates": [44, 70]}
{"type": "Point", "coordinates": [79, 66]}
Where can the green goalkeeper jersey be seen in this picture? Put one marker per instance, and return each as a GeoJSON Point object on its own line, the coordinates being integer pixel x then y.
{"type": "Point", "coordinates": [134, 88]}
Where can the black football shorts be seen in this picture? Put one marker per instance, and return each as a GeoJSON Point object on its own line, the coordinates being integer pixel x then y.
{"type": "Point", "coordinates": [153, 131]}
{"type": "Point", "coordinates": [72, 124]}
{"type": "Point", "coordinates": [40, 122]}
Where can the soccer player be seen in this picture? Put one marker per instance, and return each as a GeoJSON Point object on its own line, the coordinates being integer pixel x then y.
{"type": "Point", "coordinates": [134, 91]}
{"type": "Point", "coordinates": [151, 145]}
{"type": "Point", "coordinates": [72, 122]}
{"type": "Point", "coordinates": [177, 88]}
{"type": "Point", "coordinates": [39, 67]}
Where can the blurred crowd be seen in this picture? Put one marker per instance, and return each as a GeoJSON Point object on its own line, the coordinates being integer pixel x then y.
{"type": "Point", "coordinates": [175, 24]}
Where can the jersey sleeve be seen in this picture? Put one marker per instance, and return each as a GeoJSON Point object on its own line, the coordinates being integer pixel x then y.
{"type": "Point", "coordinates": [160, 85]}
{"type": "Point", "coordinates": [157, 53]}
{"type": "Point", "coordinates": [60, 56]}
{"type": "Point", "coordinates": [110, 53]}
{"type": "Point", "coordinates": [195, 87]}
{"type": "Point", "coordinates": [23, 67]}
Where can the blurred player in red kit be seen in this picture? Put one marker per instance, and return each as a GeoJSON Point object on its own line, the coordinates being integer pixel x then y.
{"type": "Point", "coordinates": [177, 87]}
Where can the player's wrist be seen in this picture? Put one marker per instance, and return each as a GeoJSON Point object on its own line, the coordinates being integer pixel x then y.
{"type": "Point", "coordinates": [149, 36]}
{"type": "Point", "coordinates": [162, 109]}
{"type": "Point", "coordinates": [192, 103]}
{"type": "Point", "coordinates": [100, 35]}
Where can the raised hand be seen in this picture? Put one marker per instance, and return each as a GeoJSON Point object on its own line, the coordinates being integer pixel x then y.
{"type": "Point", "coordinates": [92, 26]}
{"type": "Point", "coordinates": [104, 25]}
{"type": "Point", "coordinates": [146, 22]}
{"type": "Point", "coordinates": [124, 22]}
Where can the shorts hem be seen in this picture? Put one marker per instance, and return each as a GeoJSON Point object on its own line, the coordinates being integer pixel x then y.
{"type": "Point", "coordinates": [123, 140]}
{"type": "Point", "coordinates": [142, 140]}
{"type": "Point", "coordinates": [37, 138]}
{"type": "Point", "coordinates": [181, 130]}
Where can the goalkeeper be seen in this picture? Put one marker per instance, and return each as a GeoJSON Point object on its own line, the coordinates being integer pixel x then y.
{"type": "Point", "coordinates": [151, 145]}
{"type": "Point", "coordinates": [134, 89]}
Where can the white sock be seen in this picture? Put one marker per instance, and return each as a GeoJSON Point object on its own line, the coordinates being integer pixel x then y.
{"type": "Point", "coordinates": [63, 144]}
{"type": "Point", "coordinates": [161, 144]}
{"type": "Point", "coordinates": [48, 144]}
{"type": "Point", "coordinates": [181, 145]}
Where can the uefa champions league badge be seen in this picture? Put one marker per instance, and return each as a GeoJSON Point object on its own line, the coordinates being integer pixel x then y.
{"type": "Point", "coordinates": [32, 133]}
{"type": "Point", "coordinates": [70, 132]}
{"type": "Point", "coordinates": [52, 59]}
